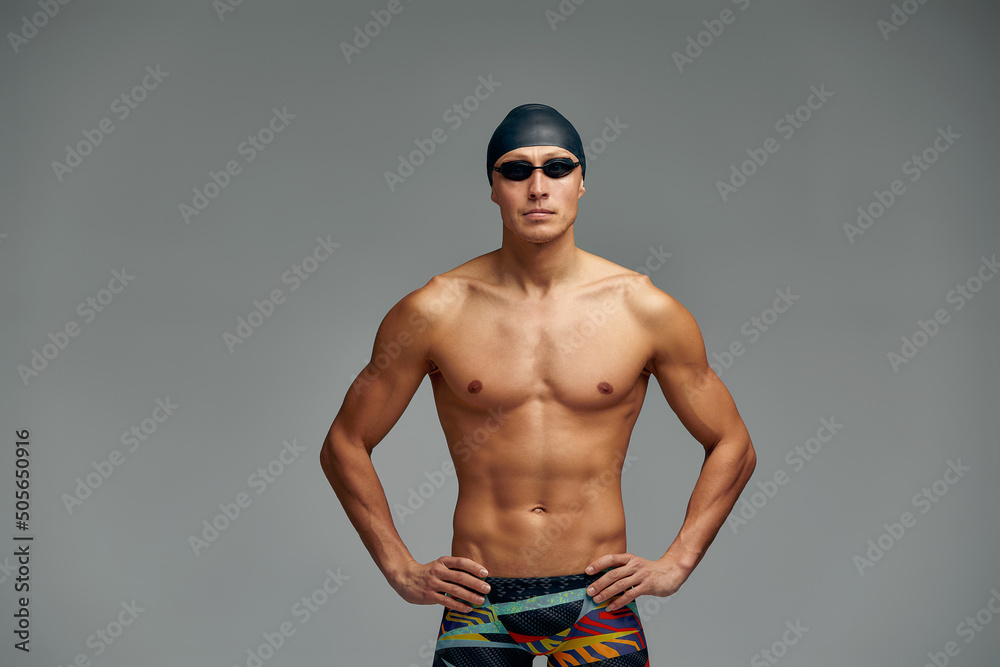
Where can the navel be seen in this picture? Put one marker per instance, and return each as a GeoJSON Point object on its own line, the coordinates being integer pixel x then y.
{"type": "Point", "coordinates": [475, 387]}
{"type": "Point", "coordinates": [605, 388]}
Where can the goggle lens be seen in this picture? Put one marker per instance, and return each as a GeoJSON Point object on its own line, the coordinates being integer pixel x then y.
{"type": "Point", "coordinates": [519, 170]}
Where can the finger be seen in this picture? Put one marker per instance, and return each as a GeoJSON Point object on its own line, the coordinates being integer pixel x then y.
{"type": "Point", "coordinates": [470, 582]}
{"type": "Point", "coordinates": [463, 594]}
{"type": "Point", "coordinates": [464, 579]}
{"type": "Point", "coordinates": [452, 603]}
{"type": "Point", "coordinates": [623, 600]}
{"type": "Point", "coordinates": [609, 578]}
{"type": "Point", "coordinates": [457, 601]}
{"type": "Point", "coordinates": [614, 589]}
{"type": "Point", "coordinates": [627, 596]}
{"type": "Point", "coordinates": [464, 564]}
{"type": "Point", "coordinates": [605, 561]}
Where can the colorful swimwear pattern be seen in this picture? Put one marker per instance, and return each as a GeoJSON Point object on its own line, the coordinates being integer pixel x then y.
{"type": "Point", "coordinates": [552, 616]}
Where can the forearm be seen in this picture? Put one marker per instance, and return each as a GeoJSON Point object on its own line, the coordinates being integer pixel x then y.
{"type": "Point", "coordinates": [348, 467]}
{"type": "Point", "coordinates": [726, 470]}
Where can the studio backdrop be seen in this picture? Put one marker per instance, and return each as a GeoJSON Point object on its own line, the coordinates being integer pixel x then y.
{"type": "Point", "coordinates": [209, 206]}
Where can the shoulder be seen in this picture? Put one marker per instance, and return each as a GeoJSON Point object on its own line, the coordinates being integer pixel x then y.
{"type": "Point", "coordinates": [650, 304]}
{"type": "Point", "coordinates": [613, 280]}
{"type": "Point", "coordinates": [653, 306]}
{"type": "Point", "coordinates": [411, 326]}
{"type": "Point", "coordinates": [443, 295]}
{"type": "Point", "coordinates": [671, 329]}
{"type": "Point", "coordinates": [619, 289]}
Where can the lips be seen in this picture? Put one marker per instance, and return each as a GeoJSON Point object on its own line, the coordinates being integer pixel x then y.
{"type": "Point", "coordinates": [539, 212]}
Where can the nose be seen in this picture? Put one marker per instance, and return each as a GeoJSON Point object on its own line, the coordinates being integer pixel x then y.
{"type": "Point", "coordinates": [538, 185]}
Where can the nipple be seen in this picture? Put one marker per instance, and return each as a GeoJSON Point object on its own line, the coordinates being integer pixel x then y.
{"type": "Point", "coordinates": [604, 388]}
{"type": "Point", "coordinates": [475, 387]}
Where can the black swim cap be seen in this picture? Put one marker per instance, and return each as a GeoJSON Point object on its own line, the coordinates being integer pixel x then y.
{"type": "Point", "coordinates": [533, 125]}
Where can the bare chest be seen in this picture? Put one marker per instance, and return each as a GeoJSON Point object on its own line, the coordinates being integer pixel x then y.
{"type": "Point", "coordinates": [585, 353]}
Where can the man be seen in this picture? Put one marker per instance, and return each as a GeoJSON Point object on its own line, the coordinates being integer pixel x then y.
{"type": "Point", "coordinates": [539, 355]}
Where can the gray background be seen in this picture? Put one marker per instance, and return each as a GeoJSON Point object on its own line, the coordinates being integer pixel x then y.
{"type": "Point", "coordinates": [655, 185]}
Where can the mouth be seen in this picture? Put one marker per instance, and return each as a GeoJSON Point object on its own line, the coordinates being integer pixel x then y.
{"type": "Point", "coordinates": [539, 213]}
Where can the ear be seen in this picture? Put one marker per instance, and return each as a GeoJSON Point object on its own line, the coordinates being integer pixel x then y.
{"type": "Point", "coordinates": [582, 189]}
{"type": "Point", "coordinates": [493, 195]}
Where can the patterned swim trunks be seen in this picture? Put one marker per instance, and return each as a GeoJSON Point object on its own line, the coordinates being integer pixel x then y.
{"type": "Point", "coordinates": [552, 616]}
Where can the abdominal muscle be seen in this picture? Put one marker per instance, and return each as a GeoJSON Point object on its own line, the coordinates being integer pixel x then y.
{"type": "Point", "coordinates": [534, 514]}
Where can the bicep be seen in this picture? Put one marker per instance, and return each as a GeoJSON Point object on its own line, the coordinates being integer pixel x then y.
{"type": "Point", "coordinates": [380, 393]}
{"type": "Point", "coordinates": [692, 389]}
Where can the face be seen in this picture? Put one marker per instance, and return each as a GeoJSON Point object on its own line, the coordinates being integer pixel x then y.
{"type": "Point", "coordinates": [540, 208]}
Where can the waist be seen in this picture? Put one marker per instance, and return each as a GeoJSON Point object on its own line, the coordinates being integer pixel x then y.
{"type": "Point", "coordinates": [509, 589]}
{"type": "Point", "coordinates": [528, 541]}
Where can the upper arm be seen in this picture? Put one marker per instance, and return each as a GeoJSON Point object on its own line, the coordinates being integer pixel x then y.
{"type": "Point", "coordinates": [680, 366]}
{"type": "Point", "coordinates": [399, 360]}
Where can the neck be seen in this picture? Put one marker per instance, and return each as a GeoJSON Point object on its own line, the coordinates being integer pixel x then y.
{"type": "Point", "coordinates": [536, 268]}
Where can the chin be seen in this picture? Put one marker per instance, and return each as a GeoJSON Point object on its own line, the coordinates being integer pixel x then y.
{"type": "Point", "coordinates": [538, 232]}
{"type": "Point", "coordinates": [541, 234]}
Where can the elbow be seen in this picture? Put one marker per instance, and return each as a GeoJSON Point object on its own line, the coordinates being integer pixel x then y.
{"type": "Point", "coordinates": [335, 447]}
{"type": "Point", "coordinates": [328, 452]}
{"type": "Point", "coordinates": [324, 455]}
{"type": "Point", "coordinates": [749, 461]}
{"type": "Point", "coordinates": [326, 458]}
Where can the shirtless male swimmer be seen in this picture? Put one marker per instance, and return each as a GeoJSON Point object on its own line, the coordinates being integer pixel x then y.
{"type": "Point", "coordinates": [547, 350]}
